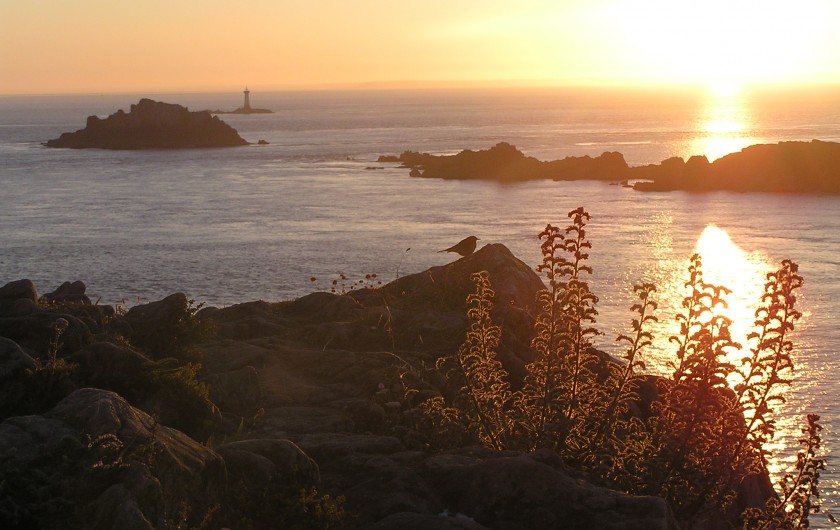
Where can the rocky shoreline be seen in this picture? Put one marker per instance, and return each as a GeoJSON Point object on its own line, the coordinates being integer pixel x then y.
{"type": "Point", "coordinates": [786, 167]}
{"type": "Point", "coordinates": [309, 393]}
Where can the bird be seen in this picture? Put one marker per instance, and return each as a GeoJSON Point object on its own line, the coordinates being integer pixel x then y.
{"type": "Point", "coordinates": [465, 247]}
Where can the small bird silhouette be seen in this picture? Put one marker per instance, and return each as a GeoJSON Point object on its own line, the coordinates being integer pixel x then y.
{"type": "Point", "coordinates": [465, 247]}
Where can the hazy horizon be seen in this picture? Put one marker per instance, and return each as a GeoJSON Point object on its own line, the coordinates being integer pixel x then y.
{"type": "Point", "coordinates": [431, 86]}
{"type": "Point", "coordinates": [93, 46]}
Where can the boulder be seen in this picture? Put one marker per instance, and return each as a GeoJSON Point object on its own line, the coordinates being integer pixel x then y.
{"type": "Point", "coordinates": [422, 521]}
{"type": "Point", "coordinates": [161, 328]}
{"type": "Point", "coordinates": [19, 289]}
{"type": "Point", "coordinates": [109, 366]}
{"type": "Point", "coordinates": [18, 298]}
{"type": "Point", "coordinates": [514, 492]}
{"type": "Point", "coordinates": [237, 391]}
{"type": "Point", "coordinates": [145, 318]}
{"type": "Point", "coordinates": [256, 463]}
{"type": "Point", "coordinates": [69, 292]}
{"type": "Point", "coordinates": [115, 463]}
{"type": "Point", "coordinates": [13, 361]}
{"type": "Point", "coordinates": [35, 332]}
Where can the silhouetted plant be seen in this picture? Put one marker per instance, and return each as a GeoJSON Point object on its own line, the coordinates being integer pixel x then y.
{"type": "Point", "coordinates": [539, 403]}
{"type": "Point", "coordinates": [560, 388]}
{"type": "Point", "coordinates": [178, 334]}
{"type": "Point", "coordinates": [43, 385]}
{"type": "Point", "coordinates": [768, 367]}
{"type": "Point", "coordinates": [181, 400]}
{"type": "Point", "coordinates": [770, 364]}
{"type": "Point", "coordinates": [282, 504]}
{"type": "Point", "coordinates": [800, 492]}
{"type": "Point", "coordinates": [606, 450]}
{"type": "Point", "coordinates": [703, 436]}
{"type": "Point", "coordinates": [481, 382]}
{"type": "Point", "coordinates": [698, 416]}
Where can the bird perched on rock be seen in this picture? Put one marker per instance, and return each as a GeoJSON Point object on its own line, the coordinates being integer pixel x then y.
{"type": "Point", "coordinates": [465, 247]}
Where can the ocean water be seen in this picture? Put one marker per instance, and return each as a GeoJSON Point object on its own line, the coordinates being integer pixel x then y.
{"type": "Point", "coordinates": [259, 222]}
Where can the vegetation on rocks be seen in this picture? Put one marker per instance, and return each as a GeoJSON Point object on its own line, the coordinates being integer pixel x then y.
{"type": "Point", "coordinates": [703, 438]}
{"type": "Point", "coordinates": [472, 388]}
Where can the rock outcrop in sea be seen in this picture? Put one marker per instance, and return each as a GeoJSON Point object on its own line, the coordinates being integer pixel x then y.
{"type": "Point", "coordinates": [504, 162]}
{"type": "Point", "coordinates": [152, 125]}
{"type": "Point", "coordinates": [786, 167]}
{"type": "Point", "coordinates": [305, 393]}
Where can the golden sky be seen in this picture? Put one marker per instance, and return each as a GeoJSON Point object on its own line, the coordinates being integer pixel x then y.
{"type": "Point", "coordinates": [58, 46]}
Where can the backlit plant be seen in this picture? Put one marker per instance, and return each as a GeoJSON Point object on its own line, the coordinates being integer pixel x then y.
{"type": "Point", "coordinates": [705, 434]}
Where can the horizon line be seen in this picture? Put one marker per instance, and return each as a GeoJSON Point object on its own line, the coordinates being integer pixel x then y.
{"type": "Point", "coordinates": [409, 85]}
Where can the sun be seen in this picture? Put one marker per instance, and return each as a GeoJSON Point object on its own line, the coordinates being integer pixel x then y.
{"type": "Point", "coordinates": [726, 45]}
{"type": "Point", "coordinates": [725, 89]}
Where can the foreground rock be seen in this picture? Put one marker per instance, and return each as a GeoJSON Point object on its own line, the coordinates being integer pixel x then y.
{"type": "Point", "coordinates": [328, 368]}
{"type": "Point", "coordinates": [152, 125]}
{"type": "Point", "coordinates": [114, 462]}
{"type": "Point", "coordinates": [310, 392]}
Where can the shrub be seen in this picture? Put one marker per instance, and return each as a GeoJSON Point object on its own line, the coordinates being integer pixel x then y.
{"type": "Point", "coordinates": [480, 382]}
{"type": "Point", "coordinates": [172, 329]}
{"type": "Point", "coordinates": [704, 435]}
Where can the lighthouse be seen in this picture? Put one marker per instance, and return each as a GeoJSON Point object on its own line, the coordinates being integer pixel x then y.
{"type": "Point", "coordinates": [247, 105]}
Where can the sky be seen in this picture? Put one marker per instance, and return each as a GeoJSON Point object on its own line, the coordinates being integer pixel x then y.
{"type": "Point", "coordinates": [101, 46]}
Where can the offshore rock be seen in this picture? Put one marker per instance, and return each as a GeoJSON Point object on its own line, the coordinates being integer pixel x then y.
{"type": "Point", "coordinates": [152, 125]}
{"type": "Point", "coordinates": [785, 167]}
{"type": "Point", "coordinates": [504, 162]}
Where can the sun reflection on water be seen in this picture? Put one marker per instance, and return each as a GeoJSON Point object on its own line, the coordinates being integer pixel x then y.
{"type": "Point", "coordinates": [726, 264]}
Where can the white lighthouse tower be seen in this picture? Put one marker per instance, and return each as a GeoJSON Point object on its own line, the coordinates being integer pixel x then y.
{"type": "Point", "coordinates": [247, 105]}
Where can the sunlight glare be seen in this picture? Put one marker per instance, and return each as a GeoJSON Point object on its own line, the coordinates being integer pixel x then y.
{"type": "Point", "coordinates": [722, 44]}
{"type": "Point", "coordinates": [726, 264]}
{"type": "Point", "coordinates": [724, 127]}
{"type": "Point", "coordinates": [725, 89]}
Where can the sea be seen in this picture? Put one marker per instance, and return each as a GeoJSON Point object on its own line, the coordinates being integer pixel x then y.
{"type": "Point", "coordinates": [274, 222]}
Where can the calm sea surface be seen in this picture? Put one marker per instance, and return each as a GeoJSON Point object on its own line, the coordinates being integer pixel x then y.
{"type": "Point", "coordinates": [257, 222]}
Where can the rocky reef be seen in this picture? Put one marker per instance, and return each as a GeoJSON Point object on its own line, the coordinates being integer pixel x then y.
{"type": "Point", "coordinates": [786, 167]}
{"type": "Point", "coordinates": [289, 396]}
{"type": "Point", "coordinates": [152, 125]}
{"type": "Point", "coordinates": [504, 162]}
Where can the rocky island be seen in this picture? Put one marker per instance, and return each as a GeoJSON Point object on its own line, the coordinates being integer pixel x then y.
{"type": "Point", "coordinates": [786, 167]}
{"type": "Point", "coordinates": [505, 163]}
{"type": "Point", "coordinates": [152, 125]}
{"type": "Point", "coordinates": [299, 414]}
